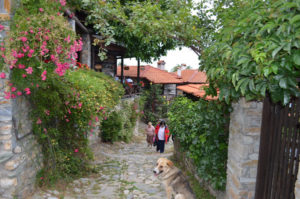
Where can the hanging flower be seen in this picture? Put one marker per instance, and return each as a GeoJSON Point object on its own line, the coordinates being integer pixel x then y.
{"type": "Point", "coordinates": [39, 121]}
{"type": "Point", "coordinates": [2, 75]}
{"type": "Point", "coordinates": [29, 70]}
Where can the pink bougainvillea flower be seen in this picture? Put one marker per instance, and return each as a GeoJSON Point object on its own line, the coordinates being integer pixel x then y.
{"type": "Point", "coordinates": [101, 107]}
{"type": "Point", "coordinates": [1, 27]}
{"type": "Point", "coordinates": [103, 112]}
{"type": "Point", "coordinates": [24, 75]}
{"type": "Point", "coordinates": [41, 9]}
{"type": "Point", "coordinates": [76, 150]}
{"type": "Point", "coordinates": [19, 93]}
{"type": "Point", "coordinates": [37, 85]}
{"type": "Point", "coordinates": [47, 112]}
{"type": "Point", "coordinates": [27, 91]}
{"type": "Point", "coordinates": [62, 2]}
{"type": "Point", "coordinates": [13, 89]}
{"type": "Point", "coordinates": [44, 77]}
{"type": "Point", "coordinates": [13, 96]}
{"type": "Point", "coordinates": [23, 39]}
{"type": "Point", "coordinates": [79, 105]}
{"type": "Point", "coordinates": [21, 66]}
{"type": "Point", "coordinates": [97, 119]}
{"type": "Point", "coordinates": [39, 121]}
{"type": "Point", "coordinates": [41, 178]}
{"type": "Point", "coordinates": [29, 70]}
{"type": "Point", "coordinates": [45, 130]}
{"type": "Point", "coordinates": [2, 75]}
{"type": "Point", "coordinates": [7, 95]}
{"type": "Point", "coordinates": [105, 118]}
{"type": "Point", "coordinates": [68, 39]}
{"type": "Point", "coordinates": [20, 55]}
{"type": "Point", "coordinates": [67, 120]}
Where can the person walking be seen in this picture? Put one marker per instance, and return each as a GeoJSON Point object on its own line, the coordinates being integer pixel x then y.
{"type": "Point", "coordinates": [150, 131]}
{"type": "Point", "coordinates": [162, 135]}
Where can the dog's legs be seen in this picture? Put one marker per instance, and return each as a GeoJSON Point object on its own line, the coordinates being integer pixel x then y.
{"type": "Point", "coordinates": [179, 196]}
{"type": "Point", "coordinates": [169, 192]}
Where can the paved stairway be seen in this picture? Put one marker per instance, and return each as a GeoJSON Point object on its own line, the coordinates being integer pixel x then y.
{"type": "Point", "coordinates": [125, 172]}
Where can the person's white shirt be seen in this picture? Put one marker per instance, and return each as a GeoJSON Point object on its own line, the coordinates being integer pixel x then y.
{"type": "Point", "coordinates": [161, 133]}
{"type": "Point", "coordinates": [129, 80]}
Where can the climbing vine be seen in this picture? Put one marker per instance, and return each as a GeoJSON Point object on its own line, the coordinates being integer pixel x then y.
{"type": "Point", "coordinates": [66, 102]}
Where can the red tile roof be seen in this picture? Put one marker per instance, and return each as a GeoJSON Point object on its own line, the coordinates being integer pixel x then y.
{"type": "Point", "coordinates": [154, 75]}
{"type": "Point", "coordinates": [196, 90]}
{"type": "Point", "coordinates": [192, 76]}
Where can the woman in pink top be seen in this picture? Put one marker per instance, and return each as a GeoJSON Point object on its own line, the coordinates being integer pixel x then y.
{"type": "Point", "coordinates": [150, 130]}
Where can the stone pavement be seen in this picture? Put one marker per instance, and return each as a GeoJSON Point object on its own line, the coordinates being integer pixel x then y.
{"type": "Point", "coordinates": [125, 172]}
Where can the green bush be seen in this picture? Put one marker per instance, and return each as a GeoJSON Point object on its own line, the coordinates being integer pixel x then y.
{"type": "Point", "coordinates": [111, 127]}
{"type": "Point", "coordinates": [120, 124]}
{"type": "Point", "coordinates": [202, 130]}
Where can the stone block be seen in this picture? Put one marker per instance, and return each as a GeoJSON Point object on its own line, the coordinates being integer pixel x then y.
{"type": "Point", "coordinates": [5, 129]}
{"type": "Point", "coordinates": [253, 156]}
{"type": "Point", "coordinates": [8, 182]}
{"type": "Point", "coordinates": [17, 149]}
{"type": "Point", "coordinates": [253, 172]}
{"type": "Point", "coordinates": [5, 137]}
{"type": "Point", "coordinates": [4, 156]}
{"type": "Point", "coordinates": [247, 140]}
{"type": "Point", "coordinates": [251, 163]}
{"type": "Point", "coordinates": [235, 181]}
{"type": "Point", "coordinates": [7, 145]}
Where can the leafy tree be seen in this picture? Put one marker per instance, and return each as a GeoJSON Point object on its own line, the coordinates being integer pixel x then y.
{"type": "Point", "coordinates": [255, 50]}
{"type": "Point", "coordinates": [147, 28]}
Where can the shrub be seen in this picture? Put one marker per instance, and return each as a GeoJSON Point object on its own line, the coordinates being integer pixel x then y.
{"type": "Point", "coordinates": [202, 130]}
{"type": "Point", "coordinates": [122, 122]}
{"type": "Point", "coordinates": [110, 128]}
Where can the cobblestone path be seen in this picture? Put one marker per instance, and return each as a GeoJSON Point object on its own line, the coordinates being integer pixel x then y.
{"type": "Point", "coordinates": [125, 172]}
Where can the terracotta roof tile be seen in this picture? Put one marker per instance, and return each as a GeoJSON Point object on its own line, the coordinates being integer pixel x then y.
{"type": "Point", "coordinates": [154, 75]}
{"type": "Point", "coordinates": [196, 90]}
{"type": "Point", "coordinates": [193, 76]}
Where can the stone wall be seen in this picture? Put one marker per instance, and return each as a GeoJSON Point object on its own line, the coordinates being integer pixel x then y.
{"type": "Point", "coordinates": [188, 164]}
{"type": "Point", "coordinates": [20, 154]}
{"type": "Point", "coordinates": [243, 149]}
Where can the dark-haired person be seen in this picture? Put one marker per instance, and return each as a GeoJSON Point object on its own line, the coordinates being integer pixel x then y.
{"type": "Point", "coordinates": [162, 135]}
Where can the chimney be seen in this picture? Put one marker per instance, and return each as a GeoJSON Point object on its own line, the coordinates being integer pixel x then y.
{"type": "Point", "coordinates": [179, 71]}
{"type": "Point", "coordinates": [161, 64]}
{"type": "Point", "coordinates": [183, 66]}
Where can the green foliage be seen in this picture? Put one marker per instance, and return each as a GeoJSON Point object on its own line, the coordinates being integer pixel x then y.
{"type": "Point", "coordinates": [153, 104]}
{"type": "Point", "coordinates": [65, 124]}
{"type": "Point", "coordinates": [175, 68]}
{"type": "Point", "coordinates": [111, 127]}
{"type": "Point", "coordinates": [120, 123]}
{"type": "Point", "coordinates": [66, 103]}
{"type": "Point", "coordinates": [256, 50]}
{"type": "Point", "coordinates": [202, 130]}
{"type": "Point", "coordinates": [147, 28]}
